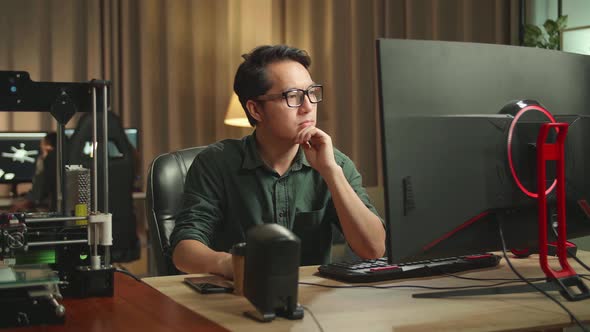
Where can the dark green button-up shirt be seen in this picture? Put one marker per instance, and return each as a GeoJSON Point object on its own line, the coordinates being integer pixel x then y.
{"type": "Point", "coordinates": [229, 189]}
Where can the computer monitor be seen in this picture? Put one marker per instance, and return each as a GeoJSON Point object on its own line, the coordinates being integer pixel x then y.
{"type": "Point", "coordinates": [446, 176]}
{"type": "Point", "coordinates": [131, 133]}
{"type": "Point", "coordinates": [114, 150]}
{"type": "Point", "coordinates": [133, 136]}
{"type": "Point", "coordinates": [18, 154]}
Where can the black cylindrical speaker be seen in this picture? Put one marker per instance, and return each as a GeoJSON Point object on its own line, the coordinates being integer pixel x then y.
{"type": "Point", "coordinates": [271, 273]}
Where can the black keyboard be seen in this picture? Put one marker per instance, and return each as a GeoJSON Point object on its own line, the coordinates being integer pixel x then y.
{"type": "Point", "coordinates": [379, 270]}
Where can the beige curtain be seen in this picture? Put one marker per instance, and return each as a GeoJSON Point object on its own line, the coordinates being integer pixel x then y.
{"type": "Point", "coordinates": [341, 34]}
{"type": "Point", "coordinates": [53, 41]}
{"type": "Point", "coordinates": [172, 62]}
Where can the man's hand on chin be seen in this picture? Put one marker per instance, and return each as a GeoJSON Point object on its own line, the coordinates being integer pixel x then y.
{"type": "Point", "coordinates": [317, 146]}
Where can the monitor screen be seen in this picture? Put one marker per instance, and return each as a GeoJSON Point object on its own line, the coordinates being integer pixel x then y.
{"type": "Point", "coordinates": [132, 136]}
{"type": "Point", "coordinates": [447, 180]}
{"type": "Point", "coordinates": [131, 133]}
{"type": "Point", "coordinates": [18, 155]}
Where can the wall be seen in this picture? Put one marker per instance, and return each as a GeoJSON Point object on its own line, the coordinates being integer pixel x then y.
{"type": "Point", "coordinates": [578, 12]}
{"type": "Point", "coordinates": [577, 40]}
{"type": "Point", "coordinates": [540, 10]}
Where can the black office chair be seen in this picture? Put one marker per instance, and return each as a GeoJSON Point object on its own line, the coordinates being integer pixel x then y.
{"type": "Point", "coordinates": [121, 168]}
{"type": "Point", "coordinates": [165, 187]}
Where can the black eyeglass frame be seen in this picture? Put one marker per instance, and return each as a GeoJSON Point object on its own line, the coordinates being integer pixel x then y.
{"type": "Point", "coordinates": [285, 94]}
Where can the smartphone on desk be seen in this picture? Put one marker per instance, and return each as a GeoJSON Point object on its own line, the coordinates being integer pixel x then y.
{"type": "Point", "coordinates": [209, 285]}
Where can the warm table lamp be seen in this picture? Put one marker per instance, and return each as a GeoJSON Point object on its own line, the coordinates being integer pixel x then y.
{"type": "Point", "coordinates": [235, 115]}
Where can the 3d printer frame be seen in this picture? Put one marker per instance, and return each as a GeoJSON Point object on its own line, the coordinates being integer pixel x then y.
{"type": "Point", "coordinates": [18, 93]}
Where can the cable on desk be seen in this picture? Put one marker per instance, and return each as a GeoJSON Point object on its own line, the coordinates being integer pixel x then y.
{"type": "Point", "coordinates": [549, 296]}
{"type": "Point", "coordinates": [117, 269]}
{"type": "Point", "coordinates": [487, 279]}
{"type": "Point", "coordinates": [314, 318]}
{"type": "Point", "coordinates": [579, 262]}
{"type": "Point", "coordinates": [407, 286]}
{"type": "Point", "coordinates": [569, 254]}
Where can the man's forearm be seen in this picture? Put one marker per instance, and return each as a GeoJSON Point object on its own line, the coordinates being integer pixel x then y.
{"type": "Point", "coordinates": [362, 229]}
{"type": "Point", "coordinates": [192, 256]}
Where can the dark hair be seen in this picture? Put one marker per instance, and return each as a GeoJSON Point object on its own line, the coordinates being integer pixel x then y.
{"type": "Point", "coordinates": [51, 138]}
{"type": "Point", "coordinates": [251, 79]}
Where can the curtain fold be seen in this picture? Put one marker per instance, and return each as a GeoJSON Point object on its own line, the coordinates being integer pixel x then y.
{"type": "Point", "coordinates": [172, 62]}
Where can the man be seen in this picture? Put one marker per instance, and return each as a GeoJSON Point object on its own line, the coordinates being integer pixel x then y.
{"type": "Point", "coordinates": [286, 172]}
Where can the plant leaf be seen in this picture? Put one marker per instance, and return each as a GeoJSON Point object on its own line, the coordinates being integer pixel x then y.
{"type": "Point", "coordinates": [532, 35]}
{"type": "Point", "coordinates": [549, 38]}
{"type": "Point", "coordinates": [561, 22]}
{"type": "Point", "coordinates": [551, 27]}
{"type": "Point", "coordinates": [554, 42]}
{"type": "Point", "coordinates": [530, 41]}
{"type": "Point", "coordinates": [532, 30]}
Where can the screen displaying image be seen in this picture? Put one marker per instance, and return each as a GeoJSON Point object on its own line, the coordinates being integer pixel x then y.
{"type": "Point", "coordinates": [130, 132]}
{"type": "Point", "coordinates": [18, 155]}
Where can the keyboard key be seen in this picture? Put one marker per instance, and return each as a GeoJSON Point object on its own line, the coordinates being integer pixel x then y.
{"type": "Point", "coordinates": [385, 268]}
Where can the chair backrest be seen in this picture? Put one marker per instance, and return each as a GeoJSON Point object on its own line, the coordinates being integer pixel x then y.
{"type": "Point", "coordinates": [165, 187]}
{"type": "Point", "coordinates": [121, 170]}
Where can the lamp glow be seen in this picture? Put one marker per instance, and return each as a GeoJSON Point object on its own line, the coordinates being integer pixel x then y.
{"type": "Point", "coordinates": [235, 116]}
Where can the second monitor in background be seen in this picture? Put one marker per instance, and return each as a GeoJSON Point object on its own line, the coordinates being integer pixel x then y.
{"type": "Point", "coordinates": [19, 153]}
{"type": "Point", "coordinates": [114, 151]}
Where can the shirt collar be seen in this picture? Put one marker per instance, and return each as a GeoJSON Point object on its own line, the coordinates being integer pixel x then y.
{"type": "Point", "coordinates": [300, 160]}
{"type": "Point", "coordinates": [252, 158]}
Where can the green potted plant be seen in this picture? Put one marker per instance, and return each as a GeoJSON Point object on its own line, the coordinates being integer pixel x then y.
{"type": "Point", "coordinates": [534, 36]}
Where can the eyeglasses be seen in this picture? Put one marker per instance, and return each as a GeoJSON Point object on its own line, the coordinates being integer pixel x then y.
{"type": "Point", "coordinates": [294, 97]}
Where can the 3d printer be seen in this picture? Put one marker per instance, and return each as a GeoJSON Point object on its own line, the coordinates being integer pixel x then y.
{"type": "Point", "coordinates": [78, 235]}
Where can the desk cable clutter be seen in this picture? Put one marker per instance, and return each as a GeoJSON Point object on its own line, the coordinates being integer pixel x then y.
{"type": "Point", "coordinates": [76, 238]}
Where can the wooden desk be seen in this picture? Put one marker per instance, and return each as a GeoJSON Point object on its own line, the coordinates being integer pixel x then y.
{"type": "Point", "coordinates": [366, 309]}
{"type": "Point", "coordinates": [134, 307]}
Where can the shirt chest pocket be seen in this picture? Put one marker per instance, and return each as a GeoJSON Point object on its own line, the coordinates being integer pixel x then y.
{"type": "Point", "coordinates": [315, 233]}
{"type": "Point", "coordinates": [308, 221]}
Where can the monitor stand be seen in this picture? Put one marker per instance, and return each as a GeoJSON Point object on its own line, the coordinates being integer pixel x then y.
{"type": "Point", "coordinates": [566, 280]}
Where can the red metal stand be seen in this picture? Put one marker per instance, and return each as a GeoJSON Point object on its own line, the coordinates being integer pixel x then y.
{"type": "Point", "coordinates": [566, 277]}
{"type": "Point", "coordinates": [552, 152]}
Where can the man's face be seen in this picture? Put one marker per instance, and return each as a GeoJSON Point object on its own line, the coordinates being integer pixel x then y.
{"type": "Point", "coordinates": [277, 118]}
